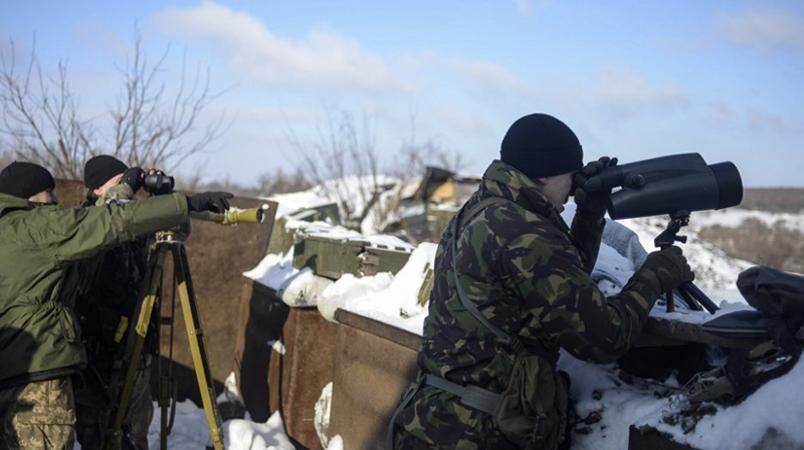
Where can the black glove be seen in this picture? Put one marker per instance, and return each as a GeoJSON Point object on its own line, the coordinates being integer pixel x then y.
{"type": "Point", "coordinates": [592, 204]}
{"type": "Point", "coordinates": [133, 177]}
{"type": "Point", "coordinates": [670, 267]}
{"type": "Point", "coordinates": [209, 201]}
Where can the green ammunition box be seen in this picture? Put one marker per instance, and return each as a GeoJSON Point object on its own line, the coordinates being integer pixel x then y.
{"type": "Point", "coordinates": [332, 257]}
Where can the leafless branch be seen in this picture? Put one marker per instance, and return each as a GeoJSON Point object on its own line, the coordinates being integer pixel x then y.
{"type": "Point", "coordinates": [343, 148]}
{"type": "Point", "coordinates": [150, 126]}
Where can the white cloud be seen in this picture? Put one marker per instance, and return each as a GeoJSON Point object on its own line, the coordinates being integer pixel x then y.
{"type": "Point", "coordinates": [724, 115]}
{"type": "Point", "coordinates": [524, 7]}
{"type": "Point", "coordinates": [762, 30]}
{"type": "Point", "coordinates": [486, 73]}
{"type": "Point", "coordinates": [625, 93]}
{"type": "Point", "coordinates": [322, 57]}
{"type": "Point", "coordinates": [98, 36]}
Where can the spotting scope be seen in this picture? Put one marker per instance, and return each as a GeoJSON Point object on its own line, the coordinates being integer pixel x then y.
{"type": "Point", "coordinates": [233, 216]}
{"type": "Point", "coordinates": [667, 185]}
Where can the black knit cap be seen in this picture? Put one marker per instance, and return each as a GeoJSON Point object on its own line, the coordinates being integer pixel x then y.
{"type": "Point", "coordinates": [99, 169]}
{"type": "Point", "coordinates": [539, 145]}
{"type": "Point", "coordinates": [25, 179]}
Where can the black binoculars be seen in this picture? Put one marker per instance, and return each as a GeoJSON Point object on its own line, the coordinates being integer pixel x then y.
{"type": "Point", "coordinates": [667, 185]}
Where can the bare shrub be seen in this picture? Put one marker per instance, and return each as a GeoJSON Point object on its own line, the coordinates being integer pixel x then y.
{"type": "Point", "coordinates": [343, 148]}
{"type": "Point", "coordinates": [776, 246]}
{"type": "Point", "coordinates": [280, 182]}
{"type": "Point", "coordinates": [790, 200]}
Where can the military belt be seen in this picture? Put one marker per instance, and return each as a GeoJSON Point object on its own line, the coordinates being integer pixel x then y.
{"type": "Point", "coordinates": [471, 396]}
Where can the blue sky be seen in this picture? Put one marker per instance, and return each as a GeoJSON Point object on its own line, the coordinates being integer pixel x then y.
{"type": "Point", "coordinates": [634, 79]}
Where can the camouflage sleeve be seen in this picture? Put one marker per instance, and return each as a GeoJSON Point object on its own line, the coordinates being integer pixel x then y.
{"type": "Point", "coordinates": [564, 303]}
{"type": "Point", "coordinates": [586, 234]}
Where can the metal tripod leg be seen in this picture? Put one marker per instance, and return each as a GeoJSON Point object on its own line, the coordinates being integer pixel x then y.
{"type": "Point", "coordinates": [145, 309]}
{"type": "Point", "coordinates": [184, 287]}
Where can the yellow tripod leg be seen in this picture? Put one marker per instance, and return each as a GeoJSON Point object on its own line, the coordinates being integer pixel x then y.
{"type": "Point", "coordinates": [184, 289]}
{"type": "Point", "coordinates": [145, 309]}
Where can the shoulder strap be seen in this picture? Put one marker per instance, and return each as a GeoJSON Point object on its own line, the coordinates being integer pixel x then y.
{"type": "Point", "coordinates": [502, 337]}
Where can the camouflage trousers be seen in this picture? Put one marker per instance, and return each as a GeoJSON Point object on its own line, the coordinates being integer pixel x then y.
{"type": "Point", "coordinates": [435, 419]}
{"type": "Point", "coordinates": [38, 415]}
{"type": "Point", "coordinates": [93, 409]}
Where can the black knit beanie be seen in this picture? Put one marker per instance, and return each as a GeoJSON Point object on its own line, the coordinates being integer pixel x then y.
{"type": "Point", "coordinates": [24, 179]}
{"type": "Point", "coordinates": [99, 169]}
{"type": "Point", "coordinates": [540, 145]}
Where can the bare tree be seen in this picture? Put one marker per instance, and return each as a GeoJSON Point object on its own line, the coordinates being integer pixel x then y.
{"type": "Point", "coordinates": [344, 161]}
{"type": "Point", "coordinates": [416, 155]}
{"type": "Point", "coordinates": [152, 126]}
{"type": "Point", "coordinates": [342, 149]}
{"type": "Point", "coordinates": [40, 116]}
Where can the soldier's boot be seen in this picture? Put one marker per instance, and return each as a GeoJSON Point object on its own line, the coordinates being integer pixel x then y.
{"type": "Point", "coordinates": [140, 413]}
{"type": "Point", "coordinates": [92, 413]}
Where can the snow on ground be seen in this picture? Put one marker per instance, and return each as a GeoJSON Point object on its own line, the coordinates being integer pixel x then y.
{"type": "Point", "coordinates": [714, 270]}
{"type": "Point", "coordinates": [735, 217]}
{"type": "Point", "coordinates": [190, 430]}
{"type": "Point", "coordinates": [597, 388]}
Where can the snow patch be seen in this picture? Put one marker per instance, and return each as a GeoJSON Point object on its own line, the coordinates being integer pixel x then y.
{"type": "Point", "coordinates": [384, 297]}
{"type": "Point", "coordinates": [736, 217]}
{"type": "Point", "coordinates": [336, 443]}
{"type": "Point", "coordinates": [304, 288]}
{"type": "Point", "coordinates": [273, 270]}
{"type": "Point", "coordinates": [242, 434]}
{"type": "Point", "coordinates": [322, 413]}
{"type": "Point", "coordinates": [277, 346]}
{"type": "Point", "coordinates": [349, 289]}
{"type": "Point", "coordinates": [231, 393]}
{"type": "Point", "coordinates": [190, 431]}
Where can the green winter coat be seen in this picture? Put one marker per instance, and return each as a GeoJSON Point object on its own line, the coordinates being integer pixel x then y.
{"type": "Point", "coordinates": [528, 273]}
{"type": "Point", "coordinates": [39, 245]}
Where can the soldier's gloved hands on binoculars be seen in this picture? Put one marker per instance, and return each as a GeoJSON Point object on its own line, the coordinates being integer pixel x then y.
{"type": "Point", "coordinates": [216, 202]}
{"type": "Point", "coordinates": [670, 267]}
{"type": "Point", "coordinates": [133, 178]}
{"type": "Point", "coordinates": [592, 204]}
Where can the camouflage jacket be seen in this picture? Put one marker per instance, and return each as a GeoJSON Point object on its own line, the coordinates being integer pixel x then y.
{"type": "Point", "coordinates": [528, 274]}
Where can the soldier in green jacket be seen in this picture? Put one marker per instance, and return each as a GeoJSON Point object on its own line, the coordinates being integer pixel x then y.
{"type": "Point", "coordinates": [40, 343]}
{"type": "Point", "coordinates": [512, 287]}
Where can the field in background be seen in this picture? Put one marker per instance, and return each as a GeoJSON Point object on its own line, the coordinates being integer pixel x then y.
{"type": "Point", "coordinates": [789, 200]}
{"type": "Point", "coordinates": [774, 245]}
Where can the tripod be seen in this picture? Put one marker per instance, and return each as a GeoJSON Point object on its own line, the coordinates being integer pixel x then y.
{"type": "Point", "coordinates": [693, 296]}
{"type": "Point", "coordinates": [167, 243]}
